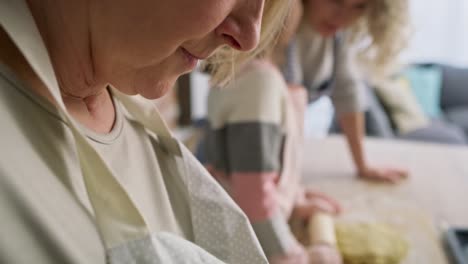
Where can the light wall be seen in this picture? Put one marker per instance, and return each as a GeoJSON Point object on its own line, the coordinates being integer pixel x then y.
{"type": "Point", "coordinates": [440, 32]}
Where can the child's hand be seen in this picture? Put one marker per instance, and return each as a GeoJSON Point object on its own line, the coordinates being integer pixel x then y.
{"type": "Point", "coordinates": [383, 174]}
{"type": "Point", "coordinates": [324, 254]}
{"type": "Point", "coordinates": [297, 255]}
{"type": "Point", "coordinates": [310, 202]}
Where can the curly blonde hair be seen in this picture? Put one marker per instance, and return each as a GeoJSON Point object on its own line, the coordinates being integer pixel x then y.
{"type": "Point", "coordinates": [223, 63]}
{"type": "Point", "coordinates": [384, 30]}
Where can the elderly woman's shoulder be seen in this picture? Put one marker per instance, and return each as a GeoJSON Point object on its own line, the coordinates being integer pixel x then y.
{"type": "Point", "coordinates": [31, 127]}
{"type": "Point", "coordinates": [13, 97]}
{"type": "Point", "coordinates": [17, 98]}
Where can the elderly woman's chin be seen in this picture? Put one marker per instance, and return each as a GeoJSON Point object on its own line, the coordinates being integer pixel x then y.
{"type": "Point", "coordinates": [158, 88]}
{"type": "Point", "coordinates": [150, 83]}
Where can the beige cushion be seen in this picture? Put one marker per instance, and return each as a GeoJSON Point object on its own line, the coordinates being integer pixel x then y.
{"type": "Point", "coordinates": [399, 100]}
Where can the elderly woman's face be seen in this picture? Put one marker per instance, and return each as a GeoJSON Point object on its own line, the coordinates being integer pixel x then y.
{"type": "Point", "coordinates": [143, 46]}
{"type": "Point", "coordinates": [329, 16]}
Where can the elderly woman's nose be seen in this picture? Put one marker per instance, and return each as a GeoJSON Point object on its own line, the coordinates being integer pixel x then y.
{"type": "Point", "coordinates": [241, 30]}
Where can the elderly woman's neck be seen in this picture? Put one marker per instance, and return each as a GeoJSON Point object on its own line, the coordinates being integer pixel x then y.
{"type": "Point", "coordinates": [64, 29]}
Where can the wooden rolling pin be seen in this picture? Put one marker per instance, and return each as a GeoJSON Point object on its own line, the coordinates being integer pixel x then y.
{"type": "Point", "coordinates": [321, 229]}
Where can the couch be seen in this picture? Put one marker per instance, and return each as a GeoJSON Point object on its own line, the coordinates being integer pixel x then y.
{"type": "Point", "coordinates": [450, 128]}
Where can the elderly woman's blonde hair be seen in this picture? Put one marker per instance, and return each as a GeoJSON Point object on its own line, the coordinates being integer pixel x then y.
{"type": "Point", "coordinates": [223, 63]}
{"type": "Point", "coordinates": [384, 31]}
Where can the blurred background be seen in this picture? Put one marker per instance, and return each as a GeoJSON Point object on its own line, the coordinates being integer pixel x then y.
{"type": "Point", "coordinates": [440, 32]}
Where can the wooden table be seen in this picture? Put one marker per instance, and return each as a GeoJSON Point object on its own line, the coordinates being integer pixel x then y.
{"type": "Point", "coordinates": [422, 207]}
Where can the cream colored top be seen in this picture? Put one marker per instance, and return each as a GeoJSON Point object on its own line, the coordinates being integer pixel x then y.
{"type": "Point", "coordinates": [334, 61]}
{"type": "Point", "coordinates": [132, 154]}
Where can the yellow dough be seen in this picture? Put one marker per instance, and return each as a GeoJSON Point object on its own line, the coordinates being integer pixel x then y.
{"type": "Point", "coordinates": [365, 243]}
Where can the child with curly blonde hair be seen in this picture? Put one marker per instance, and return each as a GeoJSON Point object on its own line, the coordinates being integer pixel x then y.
{"type": "Point", "coordinates": [338, 43]}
